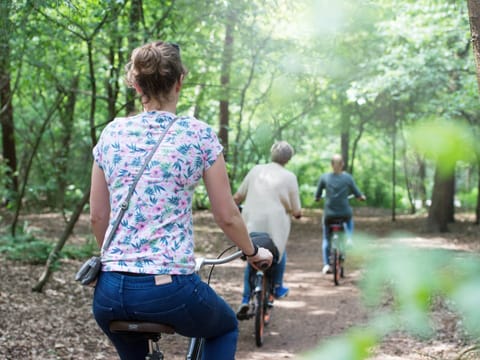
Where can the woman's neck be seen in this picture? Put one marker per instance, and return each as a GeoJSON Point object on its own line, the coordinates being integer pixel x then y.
{"type": "Point", "coordinates": [169, 104]}
{"type": "Point", "coordinates": [154, 106]}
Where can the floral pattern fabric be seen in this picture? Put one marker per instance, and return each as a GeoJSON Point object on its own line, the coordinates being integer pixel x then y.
{"type": "Point", "coordinates": [155, 235]}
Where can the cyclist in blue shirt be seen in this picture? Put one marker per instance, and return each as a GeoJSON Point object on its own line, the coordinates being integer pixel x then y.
{"type": "Point", "coordinates": [338, 186]}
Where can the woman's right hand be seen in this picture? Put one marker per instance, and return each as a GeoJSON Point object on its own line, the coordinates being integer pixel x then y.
{"type": "Point", "coordinates": [262, 260]}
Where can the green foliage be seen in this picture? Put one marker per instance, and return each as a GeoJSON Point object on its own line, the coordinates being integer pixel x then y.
{"type": "Point", "coordinates": [468, 200]}
{"type": "Point", "coordinates": [82, 251]}
{"type": "Point", "coordinates": [200, 198]}
{"type": "Point", "coordinates": [445, 142]}
{"type": "Point", "coordinates": [5, 180]}
{"type": "Point", "coordinates": [309, 72]}
{"type": "Point", "coordinates": [411, 280]}
{"type": "Point", "coordinates": [355, 345]}
{"type": "Point", "coordinates": [27, 248]}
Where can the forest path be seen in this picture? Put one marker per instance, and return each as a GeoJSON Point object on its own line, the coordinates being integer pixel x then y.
{"type": "Point", "coordinates": [57, 324]}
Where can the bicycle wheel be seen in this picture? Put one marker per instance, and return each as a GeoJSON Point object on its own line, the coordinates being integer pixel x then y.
{"type": "Point", "coordinates": [269, 299]}
{"type": "Point", "coordinates": [336, 266]}
{"type": "Point", "coordinates": [342, 268]}
{"type": "Point", "coordinates": [261, 302]}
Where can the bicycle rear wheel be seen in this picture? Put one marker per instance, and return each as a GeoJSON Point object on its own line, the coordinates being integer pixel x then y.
{"type": "Point", "coordinates": [260, 313]}
{"type": "Point", "coordinates": [337, 266]}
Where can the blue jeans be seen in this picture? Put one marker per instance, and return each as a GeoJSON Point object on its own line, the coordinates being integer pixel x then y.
{"type": "Point", "coordinates": [187, 304]}
{"type": "Point", "coordinates": [348, 225]}
{"type": "Point", "coordinates": [278, 270]}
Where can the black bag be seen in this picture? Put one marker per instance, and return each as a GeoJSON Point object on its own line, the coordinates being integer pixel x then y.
{"type": "Point", "coordinates": [89, 271]}
{"type": "Point", "coordinates": [262, 239]}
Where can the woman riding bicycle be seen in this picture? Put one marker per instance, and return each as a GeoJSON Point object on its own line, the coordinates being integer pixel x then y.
{"type": "Point", "coordinates": [338, 186]}
{"type": "Point", "coordinates": [148, 269]}
{"type": "Point", "coordinates": [270, 194]}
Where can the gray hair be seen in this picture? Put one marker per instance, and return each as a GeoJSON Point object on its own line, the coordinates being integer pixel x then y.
{"type": "Point", "coordinates": [281, 152]}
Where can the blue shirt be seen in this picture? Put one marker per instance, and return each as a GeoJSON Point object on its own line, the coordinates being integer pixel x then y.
{"type": "Point", "coordinates": [338, 187]}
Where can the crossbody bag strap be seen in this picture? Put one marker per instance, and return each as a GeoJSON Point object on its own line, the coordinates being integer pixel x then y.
{"type": "Point", "coordinates": [124, 206]}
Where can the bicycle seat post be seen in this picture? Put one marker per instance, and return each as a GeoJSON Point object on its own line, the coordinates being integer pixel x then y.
{"type": "Point", "coordinates": [152, 331]}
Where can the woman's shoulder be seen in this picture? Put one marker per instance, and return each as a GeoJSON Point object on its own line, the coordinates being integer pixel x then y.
{"type": "Point", "coordinates": [192, 121]}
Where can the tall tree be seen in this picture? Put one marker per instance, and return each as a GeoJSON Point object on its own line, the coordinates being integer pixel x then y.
{"type": "Point", "coordinates": [474, 18]}
{"type": "Point", "coordinates": [6, 95]}
{"type": "Point", "coordinates": [227, 59]}
{"type": "Point", "coordinates": [135, 20]}
{"type": "Point", "coordinates": [440, 211]}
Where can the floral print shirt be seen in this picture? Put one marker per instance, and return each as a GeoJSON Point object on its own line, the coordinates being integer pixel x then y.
{"type": "Point", "coordinates": [155, 235]}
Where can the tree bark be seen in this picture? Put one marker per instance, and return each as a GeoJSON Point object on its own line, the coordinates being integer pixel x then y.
{"type": "Point", "coordinates": [422, 175]}
{"type": "Point", "coordinates": [345, 134]}
{"type": "Point", "coordinates": [394, 168]}
{"type": "Point", "coordinates": [225, 82]}
{"type": "Point", "coordinates": [6, 94]}
{"type": "Point", "coordinates": [474, 18]}
{"type": "Point", "coordinates": [67, 119]}
{"type": "Point", "coordinates": [477, 209]}
{"type": "Point", "coordinates": [135, 19]}
{"type": "Point", "coordinates": [440, 212]}
{"type": "Point", "coordinates": [345, 145]}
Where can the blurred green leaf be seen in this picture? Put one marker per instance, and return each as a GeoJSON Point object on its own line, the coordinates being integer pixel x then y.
{"type": "Point", "coordinates": [444, 141]}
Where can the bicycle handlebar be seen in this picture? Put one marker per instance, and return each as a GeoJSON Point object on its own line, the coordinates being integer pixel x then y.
{"type": "Point", "coordinates": [201, 261]}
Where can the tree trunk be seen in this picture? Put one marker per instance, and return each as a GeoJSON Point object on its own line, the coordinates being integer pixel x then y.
{"type": "Point", "coordinates": [477, 209]}
{"type": "Point", "coordinates": [440, 212]}
{"type": "Point", "coordinates": [345, 145]}
{"type": "Point", "coordinates": [422, 175]}
{"type": "Point", "coordinates": [29, 162]}
{"type": "Point", "coordinates": [6, 108]}
{"type": "Point", "coordinates": [225, 82]}
{"type": "Point", "coordinates": [67, 119]}
{"type": "Point", "coordinates": [53, 256]}
{"type": "Point", "coordinates": [345, 134]}
{"type": "Point", "coordinates": [408, 183]}
{"type": "Point", "coordinates": [135, 19]}
{"type": "Point", "coordinates": [394, 168]}
{"type": "Point", "coordinates": [474, 17]}
{"type": "Point", "coordinates": [356, 140]}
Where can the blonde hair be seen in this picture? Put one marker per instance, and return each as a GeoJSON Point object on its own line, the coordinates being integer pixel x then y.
{"type": "Point", "coordinates": [155, 68]}
{"type": "Point", "coordinates": [281, 152]}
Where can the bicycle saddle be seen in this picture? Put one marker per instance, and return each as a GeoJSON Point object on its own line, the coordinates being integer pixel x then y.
{"type": "Point", "coordinates": [126, 326]}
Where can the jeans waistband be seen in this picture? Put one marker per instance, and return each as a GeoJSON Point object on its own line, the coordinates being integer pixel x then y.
{"type": "Point", "coordinates": [136, 279]}
{"type": "Point", "coordinates": [131, 274]}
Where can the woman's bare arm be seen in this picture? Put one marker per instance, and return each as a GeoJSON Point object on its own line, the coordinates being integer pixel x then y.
{"type": "Point", "coordinates": [99, 204]}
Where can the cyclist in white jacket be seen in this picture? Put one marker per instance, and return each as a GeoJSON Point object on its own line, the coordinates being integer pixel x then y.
{"type": "Point", "coordinates": [271, 197]}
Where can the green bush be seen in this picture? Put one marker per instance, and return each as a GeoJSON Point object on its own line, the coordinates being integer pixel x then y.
{"type": "Point", "coordinates": [468, 200]}
{"type": "Point", "coordinates": [28, 249]}
{"type": "Point", "coordinates": [25, 248]}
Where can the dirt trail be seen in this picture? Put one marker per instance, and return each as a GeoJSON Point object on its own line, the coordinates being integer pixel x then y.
{"type": "Point", "coordinates": [57, 324]}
